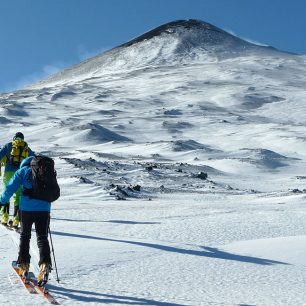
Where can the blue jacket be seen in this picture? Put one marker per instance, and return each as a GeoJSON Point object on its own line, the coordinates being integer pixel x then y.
{"type": "Point", "coordinates": [23, 177]}
{"type": "Point", "coordinates": [6, 151]}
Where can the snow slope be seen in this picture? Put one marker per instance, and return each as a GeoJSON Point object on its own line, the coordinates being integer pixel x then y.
{"type": "Point", "coordinates": [133, 131]}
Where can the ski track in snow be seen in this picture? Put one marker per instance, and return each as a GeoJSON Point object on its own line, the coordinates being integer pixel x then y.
{"type": "Point", "coordinates": [235, 238]}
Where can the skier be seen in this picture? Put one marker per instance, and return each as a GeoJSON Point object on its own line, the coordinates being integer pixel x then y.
{"type": "Point", "coordinates": [32, 210]}
{"type": "Point", "coordinates": [12, 155]}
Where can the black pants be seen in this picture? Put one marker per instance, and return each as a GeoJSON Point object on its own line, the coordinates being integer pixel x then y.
{"type": "Point", "coordinates": [16, 212]}
{"type": "Point", "coordinates": [41, 220]}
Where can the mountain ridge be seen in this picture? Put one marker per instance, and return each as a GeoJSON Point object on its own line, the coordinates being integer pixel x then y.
{"type": "Point", "coordinates": [174, 43]}
{"type": "Point", "coordinates": [170, 26]}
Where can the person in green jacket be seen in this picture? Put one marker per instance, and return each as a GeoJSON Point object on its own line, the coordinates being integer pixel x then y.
{"type": "Point", "coordinates": [13, 153]}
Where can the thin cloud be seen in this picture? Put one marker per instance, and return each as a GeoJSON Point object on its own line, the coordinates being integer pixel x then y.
{"type": "Point", "coordinates": [255, 42]}
{"type": "Point", "coordinates": [84, 54]}
{"type": "Point", "coordinates": [81, 54]}
{"type": "Point", "coordinates": [36, 76]}
{"type": "Point", "coordinates": [252, 41]}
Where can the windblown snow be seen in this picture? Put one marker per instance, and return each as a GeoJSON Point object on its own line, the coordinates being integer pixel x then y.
{"type": "Point", "coordinates": [181, 160]}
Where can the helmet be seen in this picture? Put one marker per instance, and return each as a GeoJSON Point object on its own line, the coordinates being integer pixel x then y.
{"type": "Point", "coordinates": [18, 135]}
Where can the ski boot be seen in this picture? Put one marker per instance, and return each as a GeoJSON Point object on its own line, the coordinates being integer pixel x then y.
{"type": "Point", "coordinates": [5, 218]}
{"type": "Point", "coordinates": [24, 268]}
{"type": "Point", "coordinates": [15, 223]}
{"type": "Point", "coordinates": [43, 276]}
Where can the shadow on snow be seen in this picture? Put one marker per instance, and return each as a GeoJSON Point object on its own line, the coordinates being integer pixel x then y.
{"type": "Point", "coordinates": [208, 251]}
{"type": "Point", "coordinates": [108, 221]}
{"type": "Point", "coordinates": [96, 297]}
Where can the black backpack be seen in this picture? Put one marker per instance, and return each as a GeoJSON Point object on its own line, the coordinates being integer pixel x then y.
{"type": "Point", "coordinates": [45, 186]}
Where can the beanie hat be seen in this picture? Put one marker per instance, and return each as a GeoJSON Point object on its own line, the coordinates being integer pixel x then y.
{"type": "Point", "coordinates": [18, 135]}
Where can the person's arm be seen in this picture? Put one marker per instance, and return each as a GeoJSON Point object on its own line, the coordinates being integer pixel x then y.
{"type": "Point", "coordinates": [12, 186]}
{"type": "Point", "coordinates": [3, 151]}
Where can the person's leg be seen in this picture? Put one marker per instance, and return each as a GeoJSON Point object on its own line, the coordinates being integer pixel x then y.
{"type": "Point", "coordinates": [42, 220]}
{"type": "Point", "coordinates": [16, 199]}
{"type": "Point", "coordinates": [16, 217]}
{"type": "Point", "coordinates": [6, 209]}
{"type": "Point", "coordinates": [7, 176]}
{"type": "Point", "coordinates": [42, 227]}
{"type": "Point", "coordinates": [26, 221]}
{"type": "Point", "coordinates": [5, 213]}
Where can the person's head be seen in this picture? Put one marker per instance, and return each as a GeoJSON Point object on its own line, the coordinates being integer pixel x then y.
{"type": "Point", "coordinates": [18, 135]}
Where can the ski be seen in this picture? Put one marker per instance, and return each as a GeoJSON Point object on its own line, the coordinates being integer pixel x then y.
{"type": "Point", "coordinates": [11, 228]}
{"type": "Point", "coordinates": [43, 291]}
{"type": "Point", "coordinates": [27, 285]}
{"type": "Point", "coordinates": [31, 285]}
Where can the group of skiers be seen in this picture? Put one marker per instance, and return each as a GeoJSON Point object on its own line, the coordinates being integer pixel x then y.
{"type": "Point", "coordinates": [31, 180]}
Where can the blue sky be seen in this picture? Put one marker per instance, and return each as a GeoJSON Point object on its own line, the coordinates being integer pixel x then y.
{"type": "Point", "coordinates": [39, 37]}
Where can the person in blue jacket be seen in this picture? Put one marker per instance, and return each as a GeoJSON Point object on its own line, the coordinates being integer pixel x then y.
{"type": "Point", "coordinates": [31, 211]}
{"type": "Point", "coordinates": [12, 155]}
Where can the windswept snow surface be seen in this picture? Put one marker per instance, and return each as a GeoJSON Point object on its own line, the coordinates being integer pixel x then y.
{"type": "Point", "coordinates": [133, 132]}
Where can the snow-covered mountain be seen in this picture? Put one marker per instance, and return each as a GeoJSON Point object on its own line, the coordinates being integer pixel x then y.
{"type": "Point", "coordinates": [146, 122]}
{"type": "Point", "coordinates": [182, 42]}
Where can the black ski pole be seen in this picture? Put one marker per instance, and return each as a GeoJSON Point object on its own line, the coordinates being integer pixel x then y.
{"type": "Point", "coordinates": [57, 278]}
